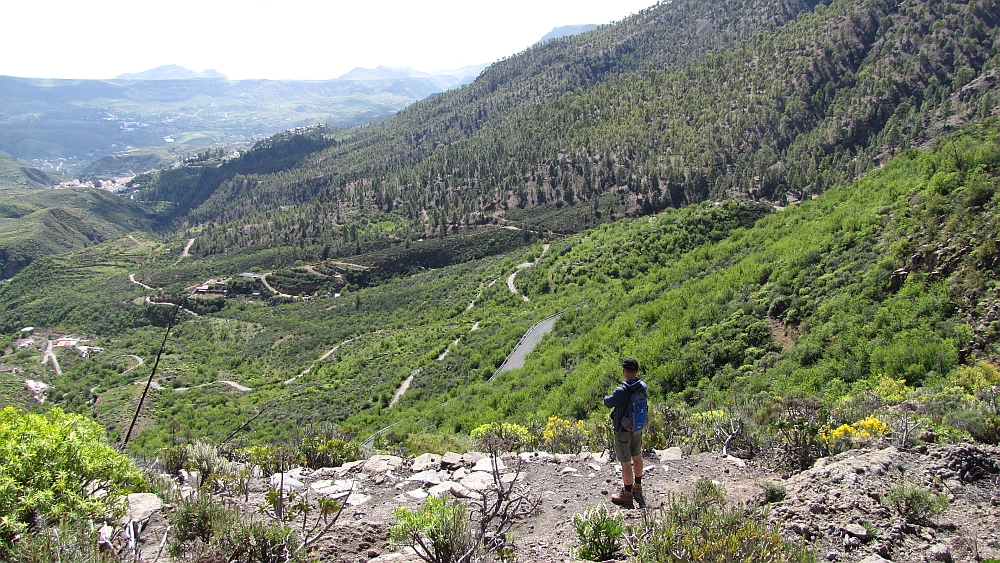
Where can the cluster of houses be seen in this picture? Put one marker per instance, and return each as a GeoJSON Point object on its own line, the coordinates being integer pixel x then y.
{"type": "Point", "coordinates": [81, 345]}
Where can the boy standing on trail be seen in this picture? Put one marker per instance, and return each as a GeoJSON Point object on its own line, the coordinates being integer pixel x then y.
{"type": "Point", "coordinates": [628, 402]}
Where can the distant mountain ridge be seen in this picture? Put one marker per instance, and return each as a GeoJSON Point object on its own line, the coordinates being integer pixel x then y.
{"type": "Point", "coordinates": [68, 124]}
{"type": "Point", "coordinates": [172, 72]}
{"type": "Point", "coordinates": [444, 80]}
{"type": "Point", "coordinates": [566, 30]}
{"type": "Point", "coordinates": [634, 117]}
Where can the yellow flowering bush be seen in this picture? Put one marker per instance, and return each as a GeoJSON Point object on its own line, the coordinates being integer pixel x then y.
{"type": "Point", "coordinates": [516, 434]}
{"type": "Point", "coordinates": [892, 391]}
{"type": "Point", "coordinates": [855, 435]}
{"type": "Point", "coordinates": [564, 436]}
{"type": "Point", "coordinates": [977, 377]}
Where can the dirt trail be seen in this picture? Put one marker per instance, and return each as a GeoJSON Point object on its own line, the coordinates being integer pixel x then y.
{"type": "Point", "coordinates": [837, 508]}
{"type": "Point", "coordinates": [47, 354]}
{"type": "Point", "coordinates": [263, 280]}
{"type": "Point", "coordinates": [328, 353]}
{"type": "Point", "coordinates": [510, 278]}
{"type": "Point", "coordinates": [138, 362]}
{"type": "Point", "coordinates": [157, 303]}
{"type": "Point", "coordinates": [403, 387]}
{"type": "Point", "coordinates": [184, 253]}
{"type": "Point", "coordinates": [312, 270]}
{"type": "Point", "coordinates": [445, 353]}
{"type": "Point", "coordinates": [236, 386]}
{"type": "Point", "coordinates": [131, 278]}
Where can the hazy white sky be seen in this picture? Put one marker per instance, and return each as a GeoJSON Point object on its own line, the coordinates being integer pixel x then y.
{"type": "Point", "coordinates": [286, 39]}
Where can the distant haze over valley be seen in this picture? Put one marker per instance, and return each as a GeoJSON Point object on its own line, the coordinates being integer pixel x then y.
{"type": "Point", "coordinates": [97, 129]}
{"type": "Point", "coordinates": [62, 126]}
{"type": "Point", "coordinates": [171, 72]}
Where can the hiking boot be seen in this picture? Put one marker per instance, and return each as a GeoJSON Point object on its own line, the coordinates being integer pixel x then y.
{"type": "Point", "coordinates": [622, 498]}
{"type": "Point", "coordinates": [637, 490]}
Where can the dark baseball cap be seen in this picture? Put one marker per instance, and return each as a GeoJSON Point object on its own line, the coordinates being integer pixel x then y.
{"type": "Point", "coordinates": [631, 364]}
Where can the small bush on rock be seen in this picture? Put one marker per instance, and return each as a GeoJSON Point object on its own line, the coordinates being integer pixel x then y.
{"type": "Point", "coordinates": [515, 435]}
{"type": "Point", "coordinates": [914, 503]}
{"type": "Point", "coordinates": [686, 530]}
{"type": "Point", "coordinates": [197, 519]}
{"type": "Point", "coordinates": [772, 492]}
{"type": "Point", "coordinates": [564, 436]}
{"type": "Point", "coordinates": [204, 457]}
{"type": "Point", "coordinates": [438, 532]}
{"type": "Point", "coordinates": [325, 447]}
{"type": "Point", "coordinates": [258, 542]}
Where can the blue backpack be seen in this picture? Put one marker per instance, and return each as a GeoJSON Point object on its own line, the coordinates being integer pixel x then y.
{"type": "Point", "coordinates": [634, 419]}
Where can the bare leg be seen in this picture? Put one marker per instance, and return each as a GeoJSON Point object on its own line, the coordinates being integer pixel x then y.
{"type": "Point", "coordinates": [637, 465]}
{"type": "Point", "coordinates": [627, 472]}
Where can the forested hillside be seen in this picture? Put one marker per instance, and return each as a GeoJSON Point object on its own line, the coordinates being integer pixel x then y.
{"type": "Point", "coordinates": [682, 103]}
{"type": "Point", "coordinates": [891, 278]}
{"type": "Point", "coordinates": [681, 186]}
{"type": "Point", "coordinates": [37, 221]}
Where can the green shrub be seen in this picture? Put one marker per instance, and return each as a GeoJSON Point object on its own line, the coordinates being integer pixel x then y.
{"type": "Point", "coordinates": [325, 446]}
{"type": "Point", "coordinates": [435, 443]}
{"type": "Point", "coordinates": [981, 427]}
{"type": "Point", "coordinates": [600, 533]}
{"type": "Point", "coordinates": [438, 532]}
{"type": "Point", "coordinates": [69, 542]}
{"type": "Point", "coordinates": [197, 519]}
{"type": "Point", "coordinates": [265, 457]}
{"type": "Point", "coordinates": [686, 530]}
{"type": "Point", "coordinates": [210, 530]}
{"type": "Point", "coordinates": [914, 503]}
{"type": "Point", "coordinates": [707, 492]}
{"type": "Point", "coordinates": [51, 464]}
{"type": "Point", "coordinates": [773, 492]}
{"type": "Point", "coordinates": [316, 453]}
{"type": "Point", "coordinates": [175, 458]}
{"type": "Point", "coordinates": [258, 542]}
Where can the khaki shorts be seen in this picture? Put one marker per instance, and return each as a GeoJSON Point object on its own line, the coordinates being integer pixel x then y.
{"type": "Point", "coordinates": [628, 445]}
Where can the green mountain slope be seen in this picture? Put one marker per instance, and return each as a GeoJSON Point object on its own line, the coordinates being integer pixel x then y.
{"type": "Point", "coordinates": [13, 175]}
{"type": "Point", "coordinates": [894, 275]}
{"type": "Point", "coordinates": [43, 222]}
{"type": "Point", "coordinates": [560, 138]}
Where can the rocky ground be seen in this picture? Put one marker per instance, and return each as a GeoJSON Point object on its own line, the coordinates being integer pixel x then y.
{"type": "Point", "coordinates": [838, 506]}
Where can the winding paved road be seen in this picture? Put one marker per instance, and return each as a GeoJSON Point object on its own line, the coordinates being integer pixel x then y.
{"type": "Point", "coordinates": [527, 343]}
